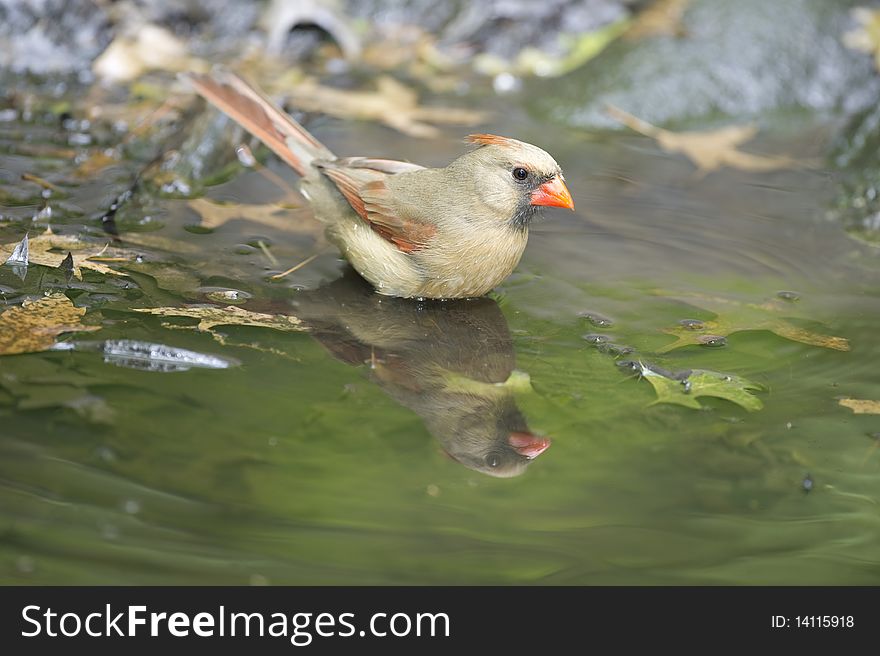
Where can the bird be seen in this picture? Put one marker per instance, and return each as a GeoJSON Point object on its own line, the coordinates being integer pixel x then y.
{"type": "Point", "coordinates": [410, 231]}
{"type": "Point", "coordinates": [451, 362]}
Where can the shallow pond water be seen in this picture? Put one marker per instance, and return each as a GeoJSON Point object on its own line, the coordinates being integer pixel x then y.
{"type": "Point", "coordinates": [360, 451]}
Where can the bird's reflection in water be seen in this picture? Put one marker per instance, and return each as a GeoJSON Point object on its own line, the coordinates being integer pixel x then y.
{"type": "Point", "coordinates": [451, 362]}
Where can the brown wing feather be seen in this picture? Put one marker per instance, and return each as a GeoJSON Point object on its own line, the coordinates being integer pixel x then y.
{"type": "Point", "coordinates": [259, 116]}
{"type": "Point", "coordinates": [362, 182]}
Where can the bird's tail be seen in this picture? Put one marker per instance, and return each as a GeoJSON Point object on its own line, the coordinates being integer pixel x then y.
{"type": "Point", "coordinates": [258, 115]}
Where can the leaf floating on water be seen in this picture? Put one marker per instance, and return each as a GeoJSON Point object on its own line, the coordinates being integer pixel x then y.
{"type": "Point", "coordinates": [20, 253]}
{"type": "Point", "coordinates": [33, 326]}
{"type": "Point", "coordinates": [50, 250]}
{"type": "Point", "coordinates": [684, 388]}
{"type": "Point", "coordinates": [862, 406]}
{"type": "Point", "coordinates": [710, 150]}
{"type": "Point", "coordinates": [148, 356]}
{"type": "Point", "coordinates": [734, 316]}
{"type": "Point", "coordinates": [392, 103]}
{"type": "Point", "coordinates": [231, 315]}
{"type": "Point", "coordinates": [214, 215]}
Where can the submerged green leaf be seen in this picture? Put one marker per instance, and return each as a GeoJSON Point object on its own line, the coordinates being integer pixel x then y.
{"type": "Point", "coordinates": [734, 316]}
{"type": "Point", "coordinates": [683, 389]}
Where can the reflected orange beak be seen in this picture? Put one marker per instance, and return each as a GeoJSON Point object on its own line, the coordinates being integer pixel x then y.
{"type": "Point", "coordinates": [553, 193]}
{"type": "Point", "coordinates": [528, 445]}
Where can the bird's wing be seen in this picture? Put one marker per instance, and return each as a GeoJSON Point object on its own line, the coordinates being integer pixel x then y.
{"type": "Point", "coordinates": [362, 181]}
{"type": "Point", "coordinates": [256, 113]}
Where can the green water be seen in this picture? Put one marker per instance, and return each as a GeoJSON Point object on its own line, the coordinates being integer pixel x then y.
{"type": "Point", "coordinates": [324, 457]}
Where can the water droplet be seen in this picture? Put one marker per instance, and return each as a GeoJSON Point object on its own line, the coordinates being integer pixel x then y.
{"type": "Point", "coordinates": [615, 349]}
{"type": "Point", "coordinates": [258, 580]}
{"type": "Point", "coordinates": [433, 490]}
{"type": "Point", "coordinates": [109, 532]}
{"type": "Point", "coordinates": [692, 324]}
{"type": "Point", "coordinates": [25, 564]}
{"type": "Point", "coordinates": [807, 483]}
{"type": "Point", "coordinates": [105, 453]}
{"type": "Point", "coordinates": [714, 341]}
{"type": "Point", "coordinates": [243, 249]}
{"type": "Point", "coordinates": [79, 139]}
{"type": "Point", "coordinates": [595, 338]}
{"type": "Point", "coordinates": [596, 319]}
{"type": "Point", "coordinates": [789, 296]}
{"type": "Point", "coordinates": [246, 157]}
{"type": "Point", "coordinates": [273, 441]}
{"type": "Point", "coordinates": [223, 295]}
{"type": "Point", "coordinates": [788, 425]}
{"type": "Point", "coordinates": [506, 83]}
{"type": "Point", "coordinates": [131, 506]}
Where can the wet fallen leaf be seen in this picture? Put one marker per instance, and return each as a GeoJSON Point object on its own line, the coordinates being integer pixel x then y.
{"type": "Point", "coordinates": [392, 103]}
{"type": "Point", "coordinates": [299, 220]}
{"type": "Point", "coordinates": [51, 250]}
{"type": "Point", "coordinates": [710, 150]}
{"type": "Point", "coordinates": [734, 316]}
{"type": "Point", "coordinates": [231, 315]}
{"type": "Point", "coordinates": [684, 389]}
{"type": "Point", "coordinates": [33, 326]}
{"type": "Point", "coordinates": [661, 18]}
{"type": "Point", "coordinates": [865, 38]}
{"type": "Point", "coordinates": [862, 406]}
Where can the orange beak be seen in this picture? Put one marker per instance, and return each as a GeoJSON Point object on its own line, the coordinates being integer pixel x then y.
{"type": "Point", "coordinates": [528, 445]}
{"type": "Point", "coordinates": [553, 193]}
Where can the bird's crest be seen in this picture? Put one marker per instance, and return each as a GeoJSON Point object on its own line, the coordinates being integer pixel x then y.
{"type": "Point", "coordinates": [489, 140]}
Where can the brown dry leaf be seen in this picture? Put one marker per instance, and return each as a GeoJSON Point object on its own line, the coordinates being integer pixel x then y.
{"type": "Point", "coordinates": [392, 103]}
{"type": "Point", "coordinates": [865, 38]}
{"type": "Point", "coordinates": [49, 249]}
{"type": "Point", "coordinates": [662, 18]}
{"type": "Point", "coordinates": [734, 316]}
{"type": "Point", "coordinates": [298, 220]}
{"type": "Point", "coordinates": [33, 326]}
{"type": "Point", "coordinates": [710, 150]}
{"type": "Point", "coordinates": [862, 406]}
{"type": "Point", "coordinates": [231, 315]}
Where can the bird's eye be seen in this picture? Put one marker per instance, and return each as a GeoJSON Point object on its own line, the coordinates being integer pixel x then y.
{"type": "Point", "coordinates": [520, 173]}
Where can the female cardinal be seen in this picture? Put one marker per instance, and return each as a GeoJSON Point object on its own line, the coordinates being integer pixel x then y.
{"type": "Point", "coordinates": [411, 231]}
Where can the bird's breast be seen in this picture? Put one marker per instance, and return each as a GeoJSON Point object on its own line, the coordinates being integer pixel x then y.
{"type": "Point", "coordinates": [472, 264]}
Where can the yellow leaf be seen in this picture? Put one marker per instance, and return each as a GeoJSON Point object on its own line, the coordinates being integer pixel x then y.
{"type": "Point", "coordinates": [231, 315]}
{"type": "Point", "coordinates": [49, 249]}
{"type": "Point", "coordinates": [862, 406]}
{"type": "Point", "coordinates": [33, 326]}
{"type": "Point", "coordinates": [709, 151]}
{"type": "Point", "coordinates": [865, 38]}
